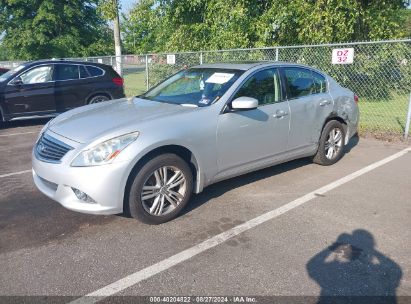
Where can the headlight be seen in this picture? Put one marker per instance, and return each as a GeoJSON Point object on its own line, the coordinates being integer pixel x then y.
{"type": "Point", "coordinates": [105, 152]}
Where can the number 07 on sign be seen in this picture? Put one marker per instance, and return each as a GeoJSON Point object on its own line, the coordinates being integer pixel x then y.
{"type": "Point", "coordinates": [343, 56]}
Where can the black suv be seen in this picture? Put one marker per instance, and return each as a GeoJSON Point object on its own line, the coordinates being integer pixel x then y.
{"type": "Point", "coordinates": [47, 88]}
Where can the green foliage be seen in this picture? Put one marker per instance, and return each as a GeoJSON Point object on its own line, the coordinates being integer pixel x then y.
{"type": "Point", "coordinates": [176, 25]}
{"type": "Point", "coordinates": [109, 8]}
{"type": "Point", "coordinates": [142, 31]}
{"type": "Point", "coordinates": [377, 72]}
{"type": "Point", "coordinates": [407, 17]}
{"type": "Point", "coordinates": [34, 29]}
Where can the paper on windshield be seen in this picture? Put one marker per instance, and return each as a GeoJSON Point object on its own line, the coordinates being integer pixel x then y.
{"type": "Point", "coordinates": [220, 78]}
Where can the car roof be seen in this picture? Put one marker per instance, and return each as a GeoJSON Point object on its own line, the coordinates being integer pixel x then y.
{"type": "Point", "coordinates": [246, 65]}
{"type": "Point", "coordinates": [46, 61]}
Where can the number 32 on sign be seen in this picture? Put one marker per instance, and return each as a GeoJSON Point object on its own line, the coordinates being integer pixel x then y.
{"type": "Point", "coordinates": [343, 56]}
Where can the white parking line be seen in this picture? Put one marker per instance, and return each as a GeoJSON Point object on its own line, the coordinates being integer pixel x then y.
{"type": "Point", "coordinates": [187, 254]}
{"type": "Point", "coordinates": [14, 173]}
{"type": "Point", "coordinates": [22, 133]}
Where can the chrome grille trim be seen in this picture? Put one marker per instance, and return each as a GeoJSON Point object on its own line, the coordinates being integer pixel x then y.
{"type": "Point", "coordinates": [50, 149]}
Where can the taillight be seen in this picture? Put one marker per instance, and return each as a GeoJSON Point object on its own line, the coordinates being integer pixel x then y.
{"type": "Point", "coordinates": [356, 98]}
{"type": "Point", "coordinates": [118, 81]}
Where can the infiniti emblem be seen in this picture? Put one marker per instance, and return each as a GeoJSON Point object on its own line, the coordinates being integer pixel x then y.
{"type": "Point", "coordinates": [41, 147]}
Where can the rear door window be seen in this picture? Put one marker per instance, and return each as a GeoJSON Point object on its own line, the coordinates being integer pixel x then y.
{"type": "Point", "coordinates": [94, 71]}
{"type": "Point", "coordinates": [299, 82]}
{"type": "Point", "coordinates": [66, 72]}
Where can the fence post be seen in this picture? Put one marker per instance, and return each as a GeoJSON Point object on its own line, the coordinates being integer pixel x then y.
{"type": "Point", "coordinates": [147, 72]}
{"type": "Point", "coordinates": [201, 57]}
{"type": "Point", "coordinates": [407, 124]}
{"type": "Point", "coordinates": [276, 54]}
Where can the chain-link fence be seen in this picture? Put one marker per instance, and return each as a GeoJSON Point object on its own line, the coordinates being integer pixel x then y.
{"type": "Point", "coordinates": [380, 74]}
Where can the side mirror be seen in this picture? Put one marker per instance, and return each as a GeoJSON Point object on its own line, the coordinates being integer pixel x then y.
{"type": "Point", "coordinates": [17, 81]}
{"type": "Point", "coordinates": [244, 103]}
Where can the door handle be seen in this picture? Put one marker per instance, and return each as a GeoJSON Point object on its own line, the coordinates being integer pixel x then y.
{"type": "Point", "coordinates": [325, 102]}
{"type": "Point", "coordinates": [280, 113]}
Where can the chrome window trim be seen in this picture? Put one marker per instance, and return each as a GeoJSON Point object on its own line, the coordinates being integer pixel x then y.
{"type": "Point", "coordinates": [56, 63]}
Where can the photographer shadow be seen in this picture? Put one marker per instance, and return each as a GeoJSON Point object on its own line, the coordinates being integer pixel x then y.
{"type": "Point", "coordinates": [352, 271]}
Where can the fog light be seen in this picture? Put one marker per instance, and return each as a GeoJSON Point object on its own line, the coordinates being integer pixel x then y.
{"type": "Point", "coordinates": [83, 196]}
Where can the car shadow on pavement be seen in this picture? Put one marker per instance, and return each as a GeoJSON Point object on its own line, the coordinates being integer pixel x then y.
{"type": "Point", "coordinates": [354, 141]}
{"type": "Point", "coordinates": [218, 189]}
{"type": "Point", "coordinates": [222, 187]}
{"type": "Point", "coordinates": [352, 270]}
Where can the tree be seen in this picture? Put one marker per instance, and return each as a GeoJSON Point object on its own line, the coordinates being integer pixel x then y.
{"type": "Point", "coordinates": [177, 25]}
{"type": "Point", "coordinates": [110, 10]}
{"type": "Point", "coordinates": [143, 28]}
{"type": "Point", "coordinates": [407, 15]}
{"type": "Point", "coordinates": [34, 29]}
{"type": "Point", "coordinates": [326, 21]}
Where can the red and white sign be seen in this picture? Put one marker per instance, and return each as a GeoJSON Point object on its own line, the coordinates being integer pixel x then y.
{"type": "Point", "coordinates": [343, 56]}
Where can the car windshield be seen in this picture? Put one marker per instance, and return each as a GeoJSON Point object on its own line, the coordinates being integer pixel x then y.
{"type": "Point", "coordinates": [11, 72]}
{"type": "Point", "coordinates": [194, 87]}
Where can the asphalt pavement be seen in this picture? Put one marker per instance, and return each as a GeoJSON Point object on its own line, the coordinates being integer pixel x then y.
{"type": "Point", "coordinates": [354, 239]}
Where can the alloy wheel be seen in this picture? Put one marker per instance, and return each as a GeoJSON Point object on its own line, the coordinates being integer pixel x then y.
{"type": "Point", "coordinates": [98, 99]}
{"type": "Point", "coordinates": [333, 144]}
{"type": "Point", "coordinates": [164, 190]}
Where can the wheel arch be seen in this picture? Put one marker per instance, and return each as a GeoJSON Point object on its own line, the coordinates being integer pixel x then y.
{"type": "Point", "coordinates": [335, 116]}
{"type": "Point", "coordinates": [91, 95]}
{"type": "Point", "coordinates": [185, 153]}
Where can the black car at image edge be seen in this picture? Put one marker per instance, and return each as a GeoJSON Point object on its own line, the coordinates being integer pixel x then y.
{"type": "Point", "coordinates": [49, 87]}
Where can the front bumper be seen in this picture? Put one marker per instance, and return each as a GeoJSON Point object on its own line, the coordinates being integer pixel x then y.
{"type": "Point", "coordinates": [104, 184]}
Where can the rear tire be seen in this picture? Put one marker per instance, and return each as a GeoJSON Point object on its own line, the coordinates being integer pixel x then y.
{"type": "Point", "coordinates": [98, 98]}
{"type": "Point", "coordinates": [160, 189]}
{"type": "Point", "coordinates": [331, 144]}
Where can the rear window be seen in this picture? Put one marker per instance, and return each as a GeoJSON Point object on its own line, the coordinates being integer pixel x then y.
{"type": "Point", "coordinates": [94, 71]}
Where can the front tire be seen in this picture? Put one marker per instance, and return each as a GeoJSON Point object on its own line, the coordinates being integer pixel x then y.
{"type": "Point", "coordinates": [160, 189]}
{"type": "Point", "coordinates": [331, 144]}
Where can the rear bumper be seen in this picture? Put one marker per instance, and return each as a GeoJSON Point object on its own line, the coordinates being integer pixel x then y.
{"type": "Point", "coordinates": [118, 93]}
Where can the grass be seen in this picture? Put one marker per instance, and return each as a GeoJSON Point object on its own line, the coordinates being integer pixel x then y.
{"type": "Point", "coordinates": [384, 115]}
{"type": "Point", "coordinates": [134, 83]}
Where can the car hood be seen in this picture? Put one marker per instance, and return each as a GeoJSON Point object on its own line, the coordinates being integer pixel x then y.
{"type": "Point", "coordinates": [115, 117]}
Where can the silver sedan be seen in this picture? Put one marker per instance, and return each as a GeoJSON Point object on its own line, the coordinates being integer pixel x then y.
{"type": "Point", "coordinates": [146, 155]}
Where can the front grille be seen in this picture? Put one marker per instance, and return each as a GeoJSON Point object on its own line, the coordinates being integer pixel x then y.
{"type": "Point", "coordinates": [51, 150]}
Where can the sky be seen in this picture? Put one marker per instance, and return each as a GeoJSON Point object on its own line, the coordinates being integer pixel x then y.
{"type": "Point", "coordinates": [126, 5]}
